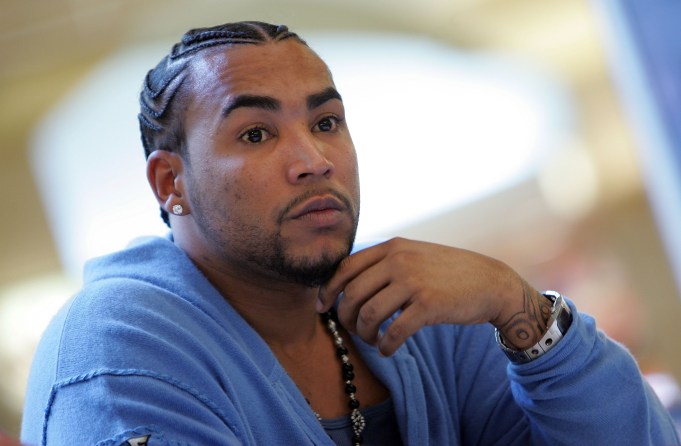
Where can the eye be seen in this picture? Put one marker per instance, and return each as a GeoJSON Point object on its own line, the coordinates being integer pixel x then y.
{"type": "Point", "coordinates": [327, 124]}
{"type": "Point", "coordinates": [255, 135]}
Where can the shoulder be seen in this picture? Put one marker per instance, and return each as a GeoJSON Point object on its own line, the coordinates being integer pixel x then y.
{"type": "Point", "coordinates": [129, 332]}
{"type": "Point", "coordinates": [137, 309]}
{"type": "Point", "coordinates": [122, 323]}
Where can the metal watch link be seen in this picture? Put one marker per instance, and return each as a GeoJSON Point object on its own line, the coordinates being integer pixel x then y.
{"type": "Point", "coordinates": [558, 324]}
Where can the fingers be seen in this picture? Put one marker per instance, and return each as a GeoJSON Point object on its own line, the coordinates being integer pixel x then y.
{"type": "Point", "coordinates": [348, 270]}
{"type": "Point", "coordinates": [429, 283]}
{"type": "Point", "coordinates": [364, 314]}
{"type": "Point", "coordinates": [369, 299]}
{"type": "Point", "coordinates": [375, 286]}
{"type": "Point", "coordinates": [409, 321]}
{"type": "Point", "coordinates": [359, 293]}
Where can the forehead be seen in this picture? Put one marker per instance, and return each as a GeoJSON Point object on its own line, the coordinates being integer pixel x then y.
{"type": "Point", "coordinates": [275, 69]}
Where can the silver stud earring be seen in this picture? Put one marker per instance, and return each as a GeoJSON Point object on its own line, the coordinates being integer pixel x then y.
{"type": "Point", "coordinates": [177, 209]}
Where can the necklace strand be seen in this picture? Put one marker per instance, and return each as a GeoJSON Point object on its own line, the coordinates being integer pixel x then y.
{"type": "Point", "coordinates": [358, 422]}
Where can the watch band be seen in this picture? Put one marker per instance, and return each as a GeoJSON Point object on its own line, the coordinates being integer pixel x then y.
{"type": "Point", "coordinates": [558, 324]}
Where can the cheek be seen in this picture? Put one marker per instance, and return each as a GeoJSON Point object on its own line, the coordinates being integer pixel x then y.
{"type": "Point", "coordinates": [215, 185]}
{"type": "Point", "coordinates": [248, 183]}
{"type": "Point", "coordinates": [349, 171]}
{"type": "Point", "coordinates": [251, 189]}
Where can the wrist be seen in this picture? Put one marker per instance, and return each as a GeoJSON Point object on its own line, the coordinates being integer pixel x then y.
{"type": "Point", "coordinates": [558, 324]}
{"type": "Point", "coordinates": [525, 316]}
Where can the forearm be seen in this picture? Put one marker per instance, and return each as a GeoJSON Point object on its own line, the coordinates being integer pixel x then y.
{"type": "Point", "coordinates": [590, 391]}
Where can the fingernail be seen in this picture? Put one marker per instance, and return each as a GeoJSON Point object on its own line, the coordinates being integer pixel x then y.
{"type": "Point", "coordinates": [320, 299]}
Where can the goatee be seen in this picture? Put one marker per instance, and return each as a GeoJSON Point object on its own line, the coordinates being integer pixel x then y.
{"type": "Point", "coordinates": [306, 271]}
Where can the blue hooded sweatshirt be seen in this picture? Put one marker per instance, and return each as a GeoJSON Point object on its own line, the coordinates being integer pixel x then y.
{"type": "Point", "coordinates": [149, 353]}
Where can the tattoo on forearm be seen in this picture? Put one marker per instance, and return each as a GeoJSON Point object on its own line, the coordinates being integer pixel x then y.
{"type": "Point", "coordinates": [528, 325]}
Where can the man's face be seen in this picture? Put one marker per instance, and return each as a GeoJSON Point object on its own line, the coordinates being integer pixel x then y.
{"type": "Point", "coordinates": [270, 171]}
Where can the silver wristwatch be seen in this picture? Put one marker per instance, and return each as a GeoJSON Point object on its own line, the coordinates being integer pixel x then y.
{"type": "Point", "coordinates": [558, 324]}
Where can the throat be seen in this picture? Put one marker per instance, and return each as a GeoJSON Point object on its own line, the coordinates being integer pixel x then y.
{"type": "Point", "coordinates": [331, 375]}
{"type": "Point", "coordinates": [327, 381]}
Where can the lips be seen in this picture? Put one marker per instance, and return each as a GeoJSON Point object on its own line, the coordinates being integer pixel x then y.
{"type": "Point", "coordinates": [316, 205]}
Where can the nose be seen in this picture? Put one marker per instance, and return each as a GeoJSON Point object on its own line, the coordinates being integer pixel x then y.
{"type": "Point", "coordinates": [306, 159]}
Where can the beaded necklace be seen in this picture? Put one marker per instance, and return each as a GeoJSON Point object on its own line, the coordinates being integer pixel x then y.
{"type": "Point", "coordinates": [358, 422]}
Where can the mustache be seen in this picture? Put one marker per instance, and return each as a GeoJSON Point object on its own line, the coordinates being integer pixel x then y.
{"type": "Point", "coordinates": [315, 193]}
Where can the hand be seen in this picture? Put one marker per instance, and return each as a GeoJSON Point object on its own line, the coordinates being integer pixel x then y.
{"type": "Point", "coordinates": [431, 284]}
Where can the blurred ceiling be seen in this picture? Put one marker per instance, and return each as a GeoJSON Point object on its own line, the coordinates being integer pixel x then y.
{"type": "Point", "coordinates": [46, 46]}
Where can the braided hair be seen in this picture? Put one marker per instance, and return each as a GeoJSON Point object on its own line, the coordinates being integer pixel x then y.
{"type": "Point", "coordinates": [163, 96]}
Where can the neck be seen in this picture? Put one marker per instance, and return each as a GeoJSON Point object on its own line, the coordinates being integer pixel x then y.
{"type": "Point", "coordinates": [282, 319]}
{"type": "Point", "coordinates": [283, 313]}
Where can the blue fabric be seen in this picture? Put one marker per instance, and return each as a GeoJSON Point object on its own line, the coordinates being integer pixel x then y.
{"type": "Point", "coordinates": [381, 426]}
{"type": "Point", "coordinates": [150, 351]}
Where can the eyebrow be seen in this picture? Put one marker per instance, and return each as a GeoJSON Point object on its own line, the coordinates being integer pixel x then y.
{"type": "Point", "coordinates": [315, 100]}
{"type": "Point", "coordinates": [263, 102]}
{"type": "Point", "coordinates": [271, 104]}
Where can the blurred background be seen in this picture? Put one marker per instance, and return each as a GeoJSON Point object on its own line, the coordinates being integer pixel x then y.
{"type": "Point", "coordinates": [541, 132]}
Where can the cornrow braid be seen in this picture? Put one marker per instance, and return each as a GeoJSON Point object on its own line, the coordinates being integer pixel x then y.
{"type": "Point", "coordinates": [163, 97]}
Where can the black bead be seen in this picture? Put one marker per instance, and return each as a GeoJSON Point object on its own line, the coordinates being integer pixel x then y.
{"type": "Point", "coordinates": [348, 376]}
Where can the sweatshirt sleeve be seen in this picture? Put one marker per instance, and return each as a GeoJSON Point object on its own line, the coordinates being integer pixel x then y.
{"type": "Point", "coordinates": [588, 390]}
{"type": "Point", "coordinates": [115, 371]}
{"type": "Point", "coordinates": [117, 407]}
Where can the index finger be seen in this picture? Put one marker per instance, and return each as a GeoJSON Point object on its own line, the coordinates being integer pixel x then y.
{"type": "Point", "coordinates": [349, 268]}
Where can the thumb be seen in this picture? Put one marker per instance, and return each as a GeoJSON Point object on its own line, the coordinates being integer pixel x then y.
{"type": "Point", "coordinates": [323, 302]}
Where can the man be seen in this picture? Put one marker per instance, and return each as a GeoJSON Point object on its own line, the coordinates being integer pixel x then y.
{"type": "Point", "coordinates": [214, 335]}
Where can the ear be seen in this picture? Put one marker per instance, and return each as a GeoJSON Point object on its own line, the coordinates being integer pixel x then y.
{"type": "Point", "coordinates": [164, 173]}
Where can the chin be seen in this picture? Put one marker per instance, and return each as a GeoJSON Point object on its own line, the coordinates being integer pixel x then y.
{"type": "Point", "coordinates": [315, 263]}
{"type": "Point", "coordinates": [312, 273]}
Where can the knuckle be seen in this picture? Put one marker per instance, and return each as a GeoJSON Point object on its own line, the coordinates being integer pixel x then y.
{"type": "Point", "coordinates": [394, 244]}
{"type": "Point", "coordinates": [394, 334]}
{"type": "Point", "coordinates": [368, 315]}
{"type": "Point", "coordinates": [351, 290]}
{"type": "Point", "coordinates": [403, 261]}
{"type": "Point", "coordinates": [344, 264]}
{"type": "Point", "coordinates": [391, 242]}
{"type": "Point", "coordinates": [417, 305]}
